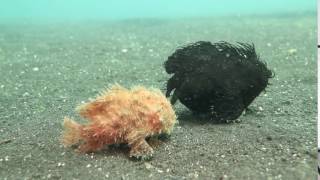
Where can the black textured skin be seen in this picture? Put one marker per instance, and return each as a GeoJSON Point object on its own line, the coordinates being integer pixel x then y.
{"type": "Point", "coordinates": [220, 79]}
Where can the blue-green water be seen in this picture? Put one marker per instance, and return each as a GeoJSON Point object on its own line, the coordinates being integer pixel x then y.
{"type": "Point", "coordinates": [123, 9]}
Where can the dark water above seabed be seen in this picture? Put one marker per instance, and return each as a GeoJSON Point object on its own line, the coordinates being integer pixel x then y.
{"type": "Point", "coordinates": [62, 10]}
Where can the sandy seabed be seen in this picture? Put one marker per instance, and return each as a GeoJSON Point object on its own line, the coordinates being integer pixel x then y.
{"type": "Point", "coordinates": [46, 70]}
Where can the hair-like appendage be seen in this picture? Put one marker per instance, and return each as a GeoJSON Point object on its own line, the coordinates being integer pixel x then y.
{"type": "Point", "coordinates": [90, 110]}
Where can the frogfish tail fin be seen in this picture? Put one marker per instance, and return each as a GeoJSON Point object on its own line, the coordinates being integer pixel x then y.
{"type": "Point", "coordinates": [71, 134]}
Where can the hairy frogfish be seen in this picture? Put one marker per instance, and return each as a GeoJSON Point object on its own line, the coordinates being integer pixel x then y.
{"type": "Point", "coordinates": [121, 116]}
{"type": "Point", "coordinates": [219, 79]}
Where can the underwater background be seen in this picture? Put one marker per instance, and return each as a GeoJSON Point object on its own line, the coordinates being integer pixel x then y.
{"type": "Point", "coordinates": [56, 54]}
{"type": "Point", "coordinates": [62, 10]}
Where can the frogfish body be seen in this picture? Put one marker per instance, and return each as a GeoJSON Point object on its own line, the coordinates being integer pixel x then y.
{"type": "Point", "coordinates": [120, 115]}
